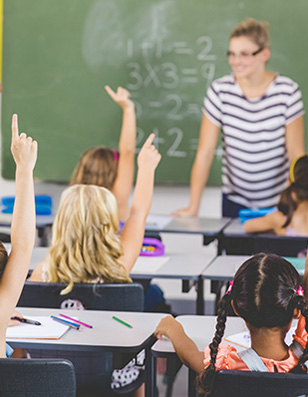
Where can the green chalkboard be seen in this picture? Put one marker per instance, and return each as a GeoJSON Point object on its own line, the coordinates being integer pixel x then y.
{"type": "Point", "coordinates": [59, 54]}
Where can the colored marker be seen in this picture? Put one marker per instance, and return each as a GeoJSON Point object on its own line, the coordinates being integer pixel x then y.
{"type": "Point", "coordinates": [122, 322]}
{"type": "Point", "coordinates": [26, 320]}
{"type": "Point", "coordinates": [65, 322]}
{"type": "Point", "coordinates": [76, 321]}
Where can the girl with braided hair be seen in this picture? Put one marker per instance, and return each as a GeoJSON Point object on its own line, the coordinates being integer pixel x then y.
{"type": "Point", "coordinates": [267, 295]}
{"type": "Point", "coordinates": [291, 218]}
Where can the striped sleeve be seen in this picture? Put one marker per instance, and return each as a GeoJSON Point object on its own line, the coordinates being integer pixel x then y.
{"type": "Point", "coordinates": [295, 106]}
{"type": "Point", "coordinates": [212, 106]}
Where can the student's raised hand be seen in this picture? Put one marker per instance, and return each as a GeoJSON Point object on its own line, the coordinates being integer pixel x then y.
{"type": "Point", "coordinates": [148, 157]}
{"type": "Point", "coordinates": [166, 327]}
{"type": "Point", "coordinates": [23, 148]}
{"type": "Point", "coordinates": [121, 97]}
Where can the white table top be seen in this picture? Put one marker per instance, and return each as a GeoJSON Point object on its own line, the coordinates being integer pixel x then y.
{"type": "Point", "coordinates": [107, 334]}
{"type": "Point", "coordinates": [201, 330]}
{"type": "Point", "coordinates": [190, 225]}
{"type": "Point", "coordinates": [224, 267]}
{"type": "Point", "coordinates": [181, 266]}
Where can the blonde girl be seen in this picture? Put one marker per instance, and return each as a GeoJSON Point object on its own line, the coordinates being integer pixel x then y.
{"type": "Point", "coordinates": [109, 168]}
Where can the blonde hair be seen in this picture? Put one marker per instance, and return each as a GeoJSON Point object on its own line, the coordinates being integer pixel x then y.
{"type": "Point", "coordinates": [85, 245]}
{"type": "Point", "coordinates": [3, 258]}
{"type": "Point", "coordinates": [97, 166]}
{"type": "Point", "coordinates": [257, 31]}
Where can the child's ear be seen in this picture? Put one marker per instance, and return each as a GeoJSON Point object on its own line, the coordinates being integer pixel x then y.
{"type": "Point", "coordinates": [296, 313]}
{"type": "Point", "coordinates": [232, 304]}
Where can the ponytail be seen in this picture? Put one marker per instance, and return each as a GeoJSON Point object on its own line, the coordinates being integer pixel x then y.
{"type": "Point", "coordinates": [286, 204]}
{"type": "Point", "coordinates": [206, 380]}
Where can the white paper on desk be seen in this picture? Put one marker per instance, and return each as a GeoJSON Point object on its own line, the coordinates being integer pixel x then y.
{"type": "Point", "coordinates": [49, 329]}
{"type": "Point", "coordinates": [149, 264]}
{"type": "Point", "coordinates": [243, 338]}
{"type": "Point", "coordinates": [157, 222]}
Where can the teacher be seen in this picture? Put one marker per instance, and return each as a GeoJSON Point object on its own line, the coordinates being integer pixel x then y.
{"type": "Point", "coordinates": [260, 114]}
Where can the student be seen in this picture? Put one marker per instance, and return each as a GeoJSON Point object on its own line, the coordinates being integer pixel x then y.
{"type": "Point", "coordinates": [14, 268]}
{"type": "Point", "coordinates": [260, 114]}
{"type": "Point", "coordinates": [108, 168]}
{"type": "Point", "coordinates": [291, 219]}
{"type": "Point", "coordinates": [267, 295]}
{"type": "Point", "coordinates": [86, 247]}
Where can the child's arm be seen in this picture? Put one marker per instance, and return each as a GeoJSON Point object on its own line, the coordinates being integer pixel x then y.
{"type": "Point", "coordinates": [273, 221]}
{"type": "Point", "coordinates": [184, 347]}
{"type": "Point", "coordinates": [133, 231]}
{"type": "Point", "coordinates": [24, 151]}
{"type": "Point", "coordinates": [127, 145]}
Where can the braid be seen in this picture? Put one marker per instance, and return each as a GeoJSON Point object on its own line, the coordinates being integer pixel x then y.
{"type": "Point", "coordinates": [302, 305]}
{"type": "Point", "coordinates": [205, 381]}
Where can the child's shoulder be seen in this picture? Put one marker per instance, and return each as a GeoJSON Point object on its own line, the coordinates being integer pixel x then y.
{"type": "Point", "coordinates": [227, 358]}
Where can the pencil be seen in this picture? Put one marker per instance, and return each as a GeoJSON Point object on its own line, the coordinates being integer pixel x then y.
{"type": "Point", "coordinates": [122, 322]}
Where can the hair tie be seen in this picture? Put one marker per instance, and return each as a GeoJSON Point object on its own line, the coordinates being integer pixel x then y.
{"type": "Point", "coordinates": [292, 166]}
{"type": "Point", "coordinates": [300, 291]}
{"type": "Point", "coordinates": [230, 287]}
{"type": "Point", "coordinates": [115, 154]}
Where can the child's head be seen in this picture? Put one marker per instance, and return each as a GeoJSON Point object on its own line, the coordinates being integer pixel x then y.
{"type": "Point", "coordinates": [256, 31]}
{"type": "Point", "coordinates": [265, 294]}
{"type": "Point", "coordinates": [97, 166]}
{"type": "Point", "coordinates": [297, 191]}
{"type": "Point", "coordinates": [85, 245]}
{"type": "Point", "coordinates": [3, 258]}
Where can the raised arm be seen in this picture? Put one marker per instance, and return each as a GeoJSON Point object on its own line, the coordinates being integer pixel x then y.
{"type": "Point", "coordinates": [127, 146]}
{"type": "Point", "coordinates": [184, 347]}
{"type": "Point", "coordinates": [209, 133]}
{"type": "Point", "coordinates": [133, 231]}
{"type": "Point", "coordinates": [24, 151]}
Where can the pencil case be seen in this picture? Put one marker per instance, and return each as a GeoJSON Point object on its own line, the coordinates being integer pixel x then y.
{"type": "Point", "coordinates": [152, 247]}
{"type": "Point", "coordinates": [246, 214]}
{"type": "Point", "coordinates": [43, 204]}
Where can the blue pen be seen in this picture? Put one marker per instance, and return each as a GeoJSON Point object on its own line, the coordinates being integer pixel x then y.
{"type": "Point", "coordinates": [66, 322]}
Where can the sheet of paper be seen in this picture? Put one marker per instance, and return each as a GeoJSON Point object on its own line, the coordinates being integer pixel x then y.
{"type": "Point", "coordinates": [157, 222]}
{"type": "Point", "coordinates": [49, 329]}
{"type": "Point", "coordinates": [149, 264]}
{"type": "Point", "coordinates": [243, 338]}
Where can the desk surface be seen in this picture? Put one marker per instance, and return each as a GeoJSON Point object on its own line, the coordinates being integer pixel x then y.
{"type": "Point", "coordinates": [106, 334]}
{"type": "Point", "coordinates": [224, 267]}
{"type": "Point", "coordinates": [180, 266]}
{"type": "Point", "coordinates": [201, 330]}
{"type": "Point", "coordinates": [41, 220]}
{"type": "Point", "coordinates": [191, 225]}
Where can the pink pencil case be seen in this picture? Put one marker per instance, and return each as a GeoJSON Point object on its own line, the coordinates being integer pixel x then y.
{"type": "Point", "coordinates": [152, 247]}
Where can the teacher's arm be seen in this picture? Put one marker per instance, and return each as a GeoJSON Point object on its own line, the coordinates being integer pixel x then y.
{"type": "Point", "coordinates": [295, 138]}
{"type": "Point", "coordinates": [209, 133]}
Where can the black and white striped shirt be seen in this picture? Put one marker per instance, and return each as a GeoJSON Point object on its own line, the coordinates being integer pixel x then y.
{"type": "Point", "coordinates": [255, 163]}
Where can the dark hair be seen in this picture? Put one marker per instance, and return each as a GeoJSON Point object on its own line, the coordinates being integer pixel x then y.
{"type": "Point", "coordinates": [3, 258]}
{"type": "Point", "coordinates": [264, 295]}
{"type": "Point", "coordinates": [298, 189]}
{"type": "Point", "coordinates": [97, 166]}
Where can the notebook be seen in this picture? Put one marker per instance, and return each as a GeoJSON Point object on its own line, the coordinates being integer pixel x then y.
{"type": "Point", "coordinates": [49, 329]}
{"type": "Point", "coordinates": [149, 264]}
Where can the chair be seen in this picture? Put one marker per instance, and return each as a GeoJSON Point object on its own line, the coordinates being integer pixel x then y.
{"type": "Point", "coordinates": [259, 384]}
{"type": "Point", "coordinates": [124, 297]}
{"type": "Point", "coordinates": [37, 378]}
{"type": "Point", "coordinates": [93, 370]}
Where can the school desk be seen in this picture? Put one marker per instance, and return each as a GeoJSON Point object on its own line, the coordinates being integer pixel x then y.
{"type": "Point", "coordinates": [209, 228]}
{"type": "Point", "coordinates": [236, 242]}
{"type": "Point", "coordinates": [43, 223]}
{"type": "Point", "coordinates": [201, 330]}
{"type": "Point", "coordinates": [106, 334]}
{"type": "Point", "coordinates": [187, 267]}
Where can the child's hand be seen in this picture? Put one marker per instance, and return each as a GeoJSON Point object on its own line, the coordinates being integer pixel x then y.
{"type": "Point", "coordinates": [166, 326]}
{"type": "Point", "coordinates": [23, 148]}
{"type": "Point", "coordinates": [12, 323]}
{"type": "Point", "coordinates": [121, 97]}
{"type": "Point", "coordinates": [148, 157]}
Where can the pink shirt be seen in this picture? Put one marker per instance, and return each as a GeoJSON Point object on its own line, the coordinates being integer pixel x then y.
{"type": "Point", "coordinates": [227, 357]}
